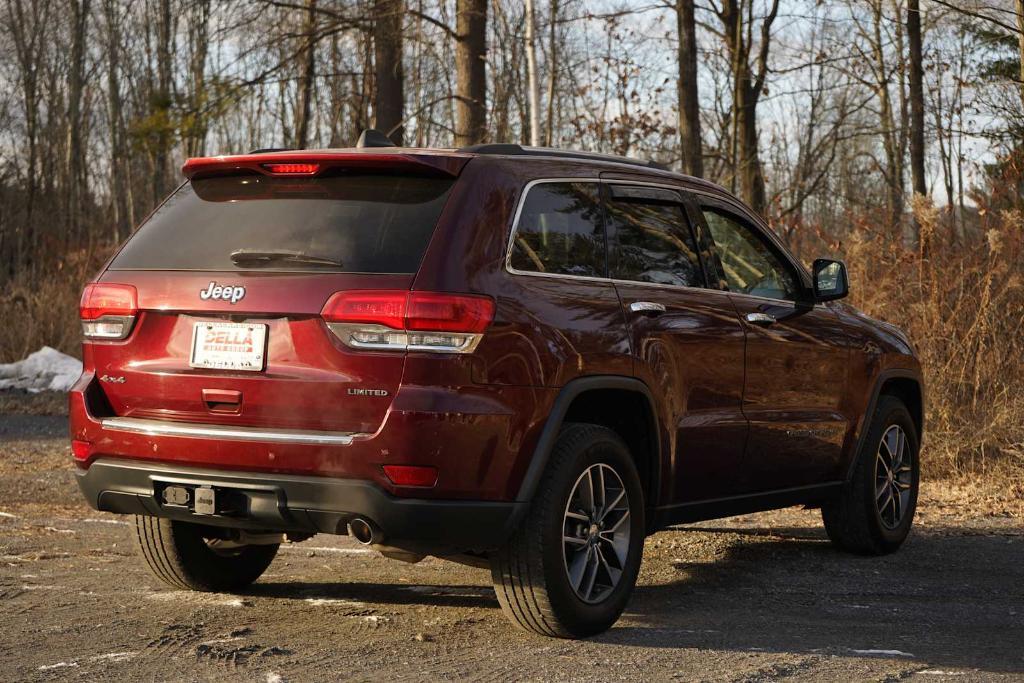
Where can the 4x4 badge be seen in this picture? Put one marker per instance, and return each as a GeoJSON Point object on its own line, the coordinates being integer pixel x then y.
{"type": "Point", "coordinates": [223, 292]}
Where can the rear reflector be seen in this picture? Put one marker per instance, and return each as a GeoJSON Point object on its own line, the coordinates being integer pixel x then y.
{"type": "Point", "coordinates": [414, 321]}
{"type": "Point", "coordinates": [292, 169]}
{"type": "Point", "coordinates": [80, 450]}
{"type": "Point", "coordinates": [108, 311]}
{"type": "Point", "coordinates": [411, 475]}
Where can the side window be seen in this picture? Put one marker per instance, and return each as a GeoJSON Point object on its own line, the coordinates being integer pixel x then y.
{"type": "Point", "coordinates": [559, 231]}
{"type": "Point", "coordinates": [651, 242]}
{"type": "Point", "coordinates": [748, 264]}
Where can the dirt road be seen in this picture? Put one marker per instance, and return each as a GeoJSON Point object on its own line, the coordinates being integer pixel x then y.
{"type": "Point", "coordinates": [762, 597]}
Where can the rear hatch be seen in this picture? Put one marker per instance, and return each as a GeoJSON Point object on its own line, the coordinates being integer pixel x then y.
{"type": "Point", "coordinates": [231, 275]}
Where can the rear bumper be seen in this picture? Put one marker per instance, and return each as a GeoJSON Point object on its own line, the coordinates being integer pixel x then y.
{"type": "Point", "coordinates": [304, 504]}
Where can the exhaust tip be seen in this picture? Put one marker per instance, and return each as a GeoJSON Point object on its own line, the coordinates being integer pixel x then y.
{"type": "Point", "coordinates": [363, 531]}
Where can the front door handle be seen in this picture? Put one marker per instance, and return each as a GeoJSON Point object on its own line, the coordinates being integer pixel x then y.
{"type": "Point", "coordinates": [762, 319]}
{"type": "Point", "coordinates": [647, 307]}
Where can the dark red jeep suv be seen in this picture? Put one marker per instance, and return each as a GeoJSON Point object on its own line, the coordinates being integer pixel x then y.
{"type": "Point", "coordinates": [519, 358]}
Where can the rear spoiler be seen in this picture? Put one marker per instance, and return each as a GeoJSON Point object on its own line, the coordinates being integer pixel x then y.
{"type": "Point", "coordinates": [312, 164]}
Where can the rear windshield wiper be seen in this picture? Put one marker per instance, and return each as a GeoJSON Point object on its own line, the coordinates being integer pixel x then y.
{"type": "Point", "coordinates": [257, 257]}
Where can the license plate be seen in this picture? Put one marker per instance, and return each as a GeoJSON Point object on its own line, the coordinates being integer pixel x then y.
{"type": "Point", "coordinates": [229, 346]}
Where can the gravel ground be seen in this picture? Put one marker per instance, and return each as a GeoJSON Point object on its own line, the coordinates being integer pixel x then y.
{"type": "Point", "coordinates": [759, 597]}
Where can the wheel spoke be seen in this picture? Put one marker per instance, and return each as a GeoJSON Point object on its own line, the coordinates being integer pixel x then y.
{"type": "Point", "coordinates": [579, 567]}
{"type": "Point", "coordinates": [592, 566]}
{"type": "Point", "coordinates": [613, 572]}
{"type": "Point", "coordinates": [604, 493]}
{"type": "Point", "coordinates": [574, 540]}
{"type": "Point", "coordinates": [618, 498]}
{"type": "Point", "coordinates": [577, 516]}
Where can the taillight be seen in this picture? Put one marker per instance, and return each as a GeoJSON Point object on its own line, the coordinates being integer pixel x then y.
{"type": "Point", "coordinates": [413, 321]}
{"type": "Point", "coordinates": [108, 311]}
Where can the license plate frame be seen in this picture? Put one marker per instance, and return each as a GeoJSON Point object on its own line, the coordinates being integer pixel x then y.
{"type": "Point", "coordinates": [220, 345]}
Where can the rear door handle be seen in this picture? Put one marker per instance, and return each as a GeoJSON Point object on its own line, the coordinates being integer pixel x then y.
{"type": "Point", "coordinates": [648, 307]}
{"type": "Point", "coordinates": [762, 319]}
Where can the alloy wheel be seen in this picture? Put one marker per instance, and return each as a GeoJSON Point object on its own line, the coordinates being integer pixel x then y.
{"type": "Point", "coordinates": [893, 476]}
{"type": "Point", "coordinates": [595, 533]}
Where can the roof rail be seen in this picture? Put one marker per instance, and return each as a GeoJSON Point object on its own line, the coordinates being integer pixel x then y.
{"type": "Point", "coordinates": [267, 150]}
{"type": "Point", "coordinates": [518, 150]}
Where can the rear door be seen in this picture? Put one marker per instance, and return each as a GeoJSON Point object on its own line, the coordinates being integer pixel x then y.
{"type": "Point", "coordinates": [232, 265]}
{"type": "Point", "coordinates": [795, 355]}
{"type": "Point", "coordinates": [686, 340]}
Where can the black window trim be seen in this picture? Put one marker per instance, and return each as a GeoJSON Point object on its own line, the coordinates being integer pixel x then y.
{"type": "Point", "coordinates": [762, 232]}
{"type": "Point", "coordinates": [521, 202]}
{"type": "Point", "coordinates": [688, 225]}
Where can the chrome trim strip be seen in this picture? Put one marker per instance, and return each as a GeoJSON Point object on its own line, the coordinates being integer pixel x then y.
{"type": "Point", "coordinates": [195, 430]}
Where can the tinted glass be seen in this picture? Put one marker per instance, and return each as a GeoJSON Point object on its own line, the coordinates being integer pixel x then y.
{"type": "Point", "coordinates": [559, 231]}
{"type": "Point", "coordinates": [747, 262]}
{"type": "Point", "coordinates": [652, 242]}
{"type": "Point", "coordinates": [358, 223]}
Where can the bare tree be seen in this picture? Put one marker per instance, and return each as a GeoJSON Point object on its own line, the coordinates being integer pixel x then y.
{"type": "Point", "coordinates": [307, 80]}
{"type": "Point", "coordinates": [916, 60]}
{"type": "Point", "coordinates": [688, 101]}
{"type": "Point", "coordinates": [471, 74]}
{"type": "Point", "coordinates": [389, 103]}
{"type": "Point", "coordinates": [738, 22]}
{"type": "Point", "coordinates": [533, 89]}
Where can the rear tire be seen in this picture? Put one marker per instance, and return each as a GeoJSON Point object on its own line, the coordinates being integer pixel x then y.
{"type": "Point", "coordinates": [875, 510]}
{"type": "Point", "coordinates": [179, 554]}
{"type": "Point", "coordinates": [570, 568]}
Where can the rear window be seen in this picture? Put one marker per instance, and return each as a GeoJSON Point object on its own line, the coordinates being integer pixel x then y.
{"type": "Point", "coordinates": [349, 224]}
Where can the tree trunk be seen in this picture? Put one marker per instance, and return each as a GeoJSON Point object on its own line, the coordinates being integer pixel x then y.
{"type": "Point", "coordinates": [916, 97]}
{"type": "Point", "coordinates": [387, 47]}
{"type": "Point", "coordinates": [75, 162]}
{"type": "Point", "coordinates": [162, 106]}
{"type": "Point", "coordinates": [689, 106]}
{"type": "Point", "coordinates": [1020, 43]}
{"type": "Point", "coordinates": [471, 74]}
{"type": "Point", "coordinates": [549, 128]}
{"type": "Point", "coordinates": [533, 84]}
{"type": "Point", "coordinates": [307, 82]}
{"type": "Point", "coordinates": [121, 195]}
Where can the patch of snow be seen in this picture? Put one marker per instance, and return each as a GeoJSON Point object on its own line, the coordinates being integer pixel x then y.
{"type": "Point", "coordinates": [113, 657]}
{"type": "Point", "coordinates": [322, 602]}
{"type": "Point", "coordinates": [58, 665]}
{"type": "Point", "coordinates": [8, 515]}
{"type": "Point", "coordinates": [105, 521]}
{"type": "Point", "coordinates": [274, 678]}
{"type": "Point", "coordinates": [888, 653]}
{"type": "Point", "coordinates": [46, 369]}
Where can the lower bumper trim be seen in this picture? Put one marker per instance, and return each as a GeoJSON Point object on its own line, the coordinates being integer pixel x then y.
{"type": "Point", "coordinates": [283, 502]}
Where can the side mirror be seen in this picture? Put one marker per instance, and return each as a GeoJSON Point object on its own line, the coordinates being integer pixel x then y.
{"type": "Point", "coordinates": [830, 280]}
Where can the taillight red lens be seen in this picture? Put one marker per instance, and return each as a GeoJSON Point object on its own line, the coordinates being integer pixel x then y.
{"type": "Point", "coordinates": [292, 169]}
{"type": "Point", "coordinates": [411, 475]}
{"type": "Point", "coordinates": [102, 299]}
{"type": "Point", "coordinates": [419, 311]}
{"type": "Point", "coordinates": [366, 306]}
{"type": "Point", "coordinates": [448, 312]}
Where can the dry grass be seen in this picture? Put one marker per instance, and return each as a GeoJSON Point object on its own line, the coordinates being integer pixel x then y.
{"type": "Point", "coordinates": [962, 305]}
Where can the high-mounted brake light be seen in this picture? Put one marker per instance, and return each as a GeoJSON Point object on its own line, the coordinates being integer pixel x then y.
{"type": "Point", "coordinates": [415, 321]}
{"type": "Point", "coordinates": [108, 311]}
{"type": "Point", "coordinates": [292, 169]}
